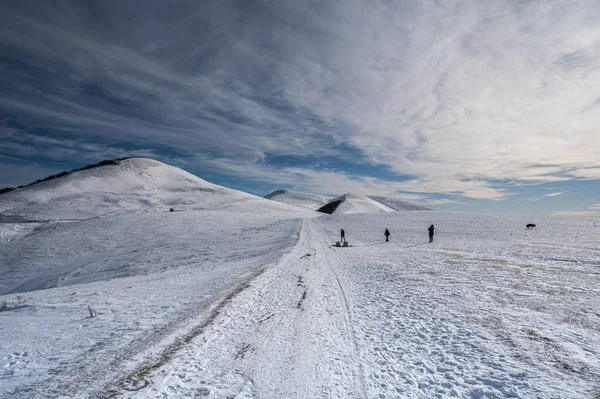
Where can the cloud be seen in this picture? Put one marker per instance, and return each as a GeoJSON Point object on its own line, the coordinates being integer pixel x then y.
{"type": "Point", "coordinates": [443, 201]}
{"type": "Point", "coordinates": [461, 95]}
{"type": "Point", "coordinates": [555, 194]}
{"type": "Point", "coordinates": [26, 145]}
{"type": "Point", "coordinates": [595, 206]}
{"type": "Point", "coordinates": [586, 173]}
{"type": "Point", "coordinates": [15, 173]}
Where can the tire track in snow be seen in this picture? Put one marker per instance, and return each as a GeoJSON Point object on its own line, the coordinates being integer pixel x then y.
{"type": "Point", "coordinates": [349, 324]}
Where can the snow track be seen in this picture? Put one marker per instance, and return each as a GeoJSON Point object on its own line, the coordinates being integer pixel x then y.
{"type": "Point", "coordinates": [387, 320]}
{"type": "Point", "coordinates": [288, 335]}
{"type": "Point", "coordinates": [490, 310]}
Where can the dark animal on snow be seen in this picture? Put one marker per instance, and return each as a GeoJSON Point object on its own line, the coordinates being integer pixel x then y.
{"type": "Point", "coordinates": [530, 225]}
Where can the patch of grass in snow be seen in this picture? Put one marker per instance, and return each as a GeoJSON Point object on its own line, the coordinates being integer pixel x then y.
{"type": "Point", "coordinates": [538, 337]}
{"type": "Point", "coordinates": [5, 306]}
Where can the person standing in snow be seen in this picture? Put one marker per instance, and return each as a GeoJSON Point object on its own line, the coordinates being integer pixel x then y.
{"type": "Point", "coordinates": [387, 235]}
{"type": "Point", "coordinates": [430, 233]}
{"type": "Point", "coordinates": [343, 236]}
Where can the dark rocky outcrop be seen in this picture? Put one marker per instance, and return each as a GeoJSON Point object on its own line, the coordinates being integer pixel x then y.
{"type": "Point", "coordinates": [330, 207]}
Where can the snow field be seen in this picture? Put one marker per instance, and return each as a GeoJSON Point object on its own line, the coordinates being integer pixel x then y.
{"type": "Point", "coordinates": [228, 297]}
{"type": "Point", "coordinates": [486, 311]}
{"type": "Point", "coordinates": [288, 335]}
{"type": "Point", "coordinates": [151, 276]}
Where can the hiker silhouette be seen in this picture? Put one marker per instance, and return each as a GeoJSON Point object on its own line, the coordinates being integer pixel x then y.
{"type": "Point", "coordinates": [431, 229]}
{"type": "Point", "coordinates": [387, 235]}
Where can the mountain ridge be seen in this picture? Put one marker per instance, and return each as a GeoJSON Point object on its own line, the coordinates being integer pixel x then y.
{"type": "Point", "coordinates": [133, 184]}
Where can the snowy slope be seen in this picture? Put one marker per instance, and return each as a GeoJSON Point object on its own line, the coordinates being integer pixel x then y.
{"type": "Point", "coordinates": [490, 310]}
{"type": "Point", "coordinates": [264, 307]}
{"type": "Point", "coordinates": [104, 237]}
{"type": "Point", "coordinates": [135, 184]}
{"type": "Point", "coordinates": [304, 200]}
{"type": "Point", "coordinates": [399, 205]}
{"type": "Point", "coordinates": [355, 203]}
{"type": "Point", "coordinates": [118, 209]}
{"type": "Point", "coordinates": [233, 295]}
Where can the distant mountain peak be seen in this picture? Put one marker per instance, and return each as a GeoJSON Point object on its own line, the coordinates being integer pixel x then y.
{"type": "Point", "coordinates": [354, 203]}
{"type": "Point", "coordinates": [399, 205]}
{"type": "Point", "coordinates": [276, 193]}
{"type": "Point", "coordinates": [347, 203]}
{"type": "Point", "coordinates": [303, 200]}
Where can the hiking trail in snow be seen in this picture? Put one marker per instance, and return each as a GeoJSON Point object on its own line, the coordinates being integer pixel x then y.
{"type": "Point", "coordinates": [397, 320]}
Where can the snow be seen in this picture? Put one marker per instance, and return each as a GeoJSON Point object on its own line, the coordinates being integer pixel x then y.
{"type": "Point", "coordinates": [356, 203]}
{"type": "Point", "coordinates": [399, 205]}
{"type": "Point", "coordinates": [486, 311]}
{"type": "Point", "coordinates": [304, 200]}
{"type": "Point", "coordinates": [136, 184]}
{"type": "Point", "coordinates": [232, 295]}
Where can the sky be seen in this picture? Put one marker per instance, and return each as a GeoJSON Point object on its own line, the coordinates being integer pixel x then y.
{"type": "Point", "coordinates": [490, 106]}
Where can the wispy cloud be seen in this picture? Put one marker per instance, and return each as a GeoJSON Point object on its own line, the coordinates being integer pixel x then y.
{"type": "Point", "coordinates": [443, 201]}
{"type": "Point", "coordinates": [554, 194]}
{"type": "Point", "coordinates": [461, 95]}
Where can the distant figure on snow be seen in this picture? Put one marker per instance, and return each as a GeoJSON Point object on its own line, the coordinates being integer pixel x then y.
{"type": "Point", "coordinates": [343, 236]}
{"type": "Point", "coordinates": [430, 233]}
{"type": "Point", "coordinates": [387, 235]}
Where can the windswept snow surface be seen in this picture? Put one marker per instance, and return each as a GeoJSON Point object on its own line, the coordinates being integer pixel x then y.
{"type": "Point", "coordinates": [151, 275]}
{"type": "Point", "coordinates": [356, 203]}
{"type": "Point", "coordinates": [489, 310]}
{"type": "Point", "coordinates": [304, 200]}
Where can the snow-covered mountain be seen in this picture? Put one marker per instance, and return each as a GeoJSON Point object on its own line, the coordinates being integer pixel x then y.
{"type": "Point", "coordinates": [136, 184]}
{"type": "Point", "coordinates": [399, 205]}
{"type": "Point", "coordinates": [304, 200]}
{"type": "Point", "coordinates": [354, 203]}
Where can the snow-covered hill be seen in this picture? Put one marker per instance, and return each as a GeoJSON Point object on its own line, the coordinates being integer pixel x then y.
{"type": "Point", "coordinates": [233, 295]}
{"type": "Point", "coordinates": [304, 200]}
{"type": "Point", "coordinates": [399, 205]}
{"type": "Point", "coordinates": [136, 184]}
{"type": "Point", "coordinates": [216, 303]}
{"type": "Point", "coordinates": [89, 225]}
{"type": "Point", "coordinates": [354, 203]}
{"type": "Point", "coordinates": [105, 238]}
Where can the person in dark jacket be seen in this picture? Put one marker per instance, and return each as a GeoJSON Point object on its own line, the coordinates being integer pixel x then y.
{"type": "Point", "coordinates": [387, 235]}
{"type": "Point", "coordinates": [343, 236]}
{"type": "Point", "coordinates": [430, 233]}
